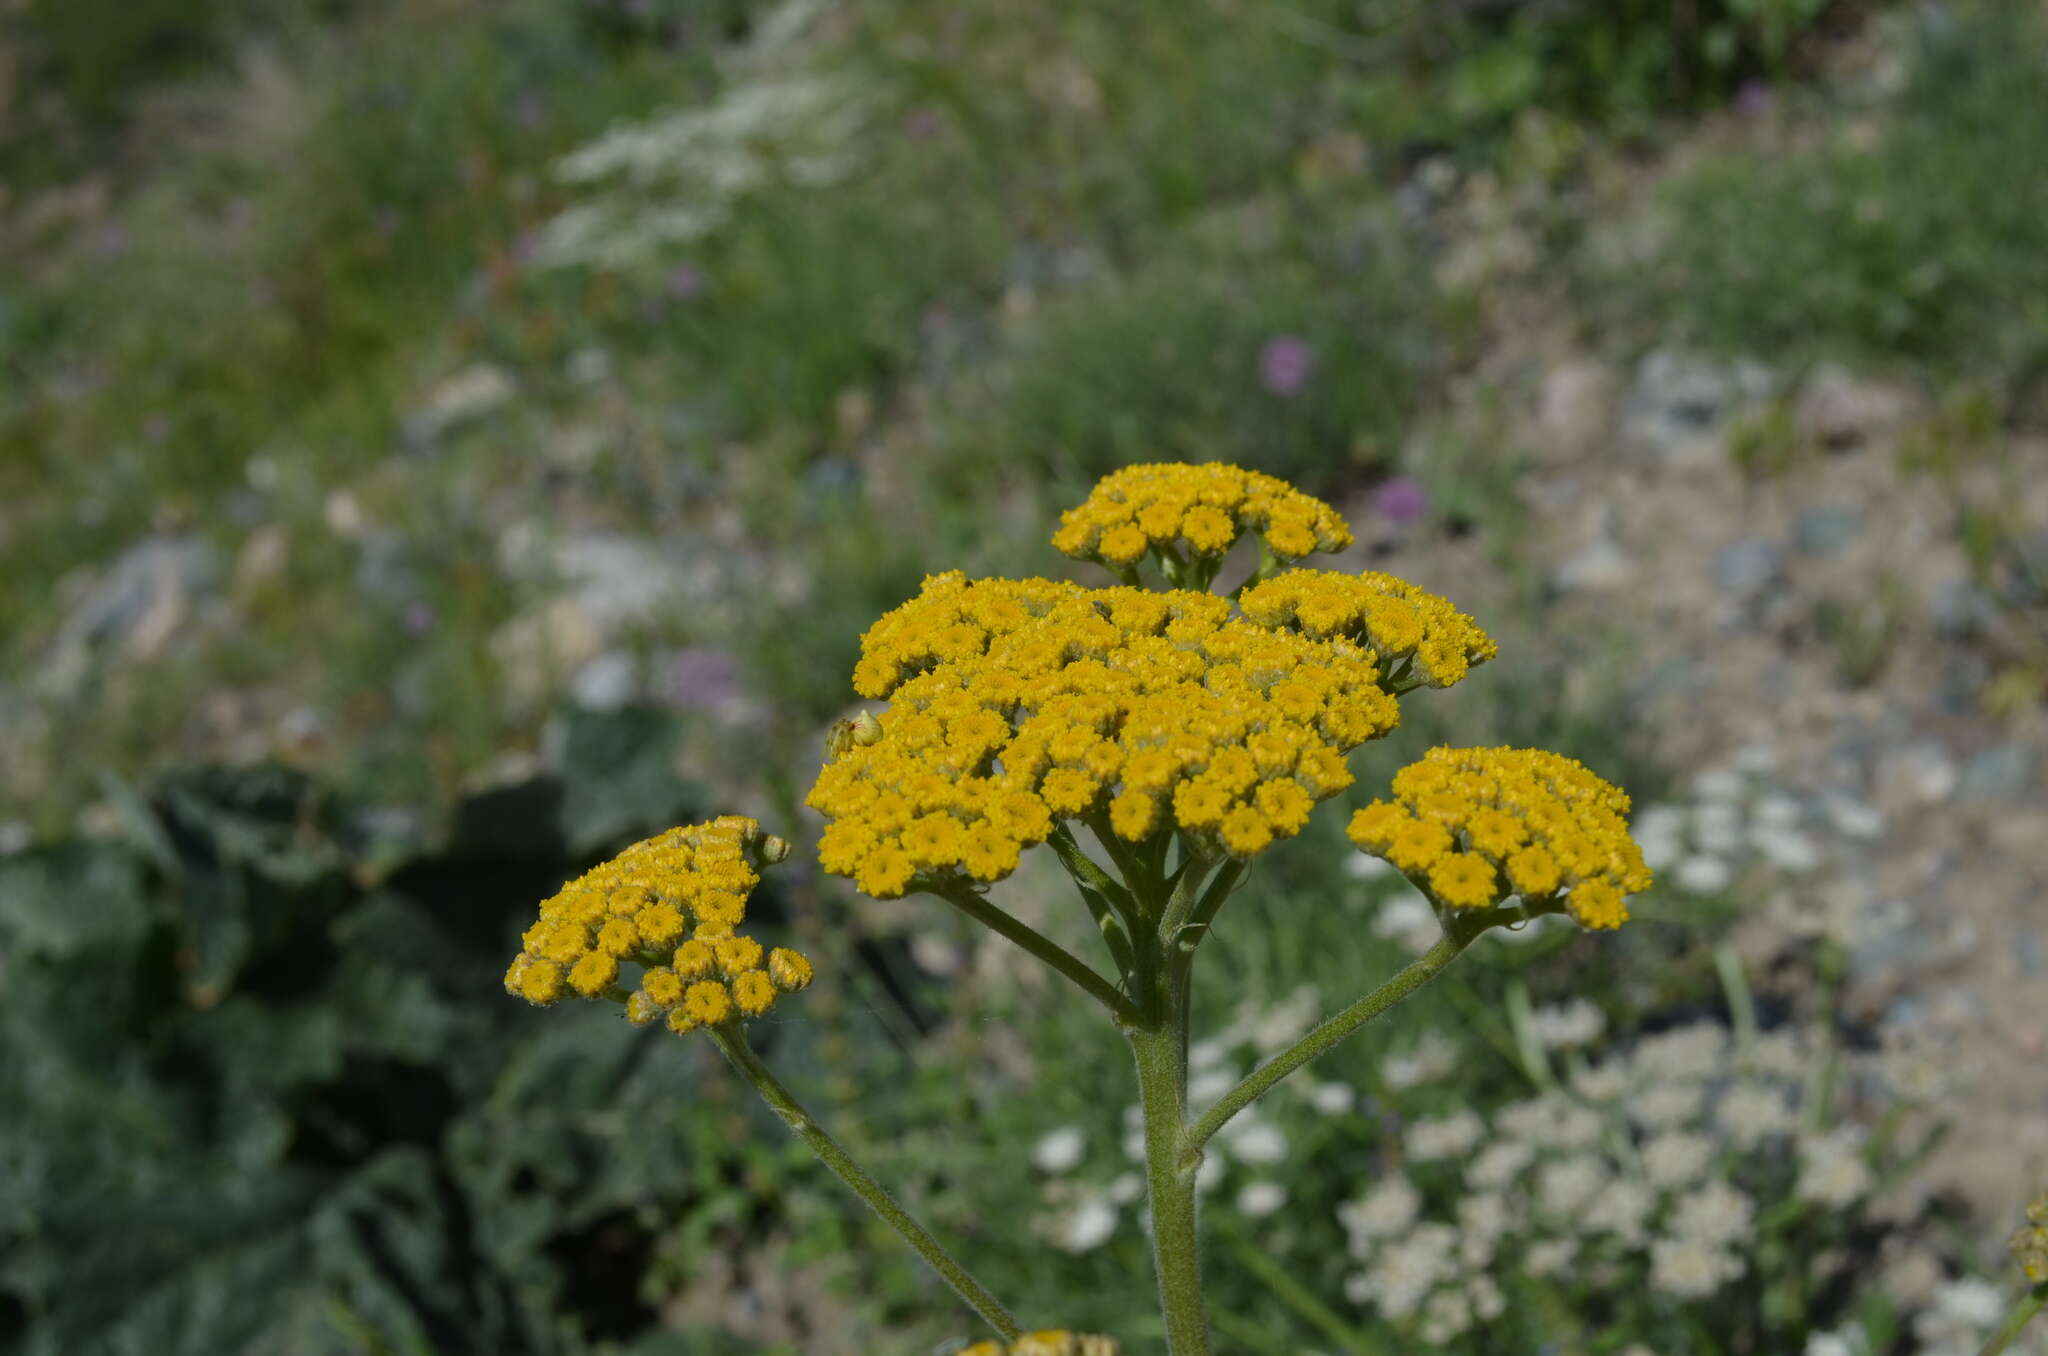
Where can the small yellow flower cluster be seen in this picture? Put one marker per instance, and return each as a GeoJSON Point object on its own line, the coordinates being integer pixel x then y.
{"type": "Point", "coordinates": [671, 903]}
{"type": "Point", "coordinates": [1017, 704]}
{"type": "Point", "coordinates": [2029, 1242]}
{"type": "Point", "coordinates": [1473, 825]}
{"type": "Point", "coordinates": [1051, 1342]}
{"type": "Point", "coordinates": [1140, 508]}
{"type": "Point", "coordinates": [1402, 623]}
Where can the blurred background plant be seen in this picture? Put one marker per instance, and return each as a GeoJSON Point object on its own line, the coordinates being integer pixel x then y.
{"type": "Point", "coordinates": [383, 545]}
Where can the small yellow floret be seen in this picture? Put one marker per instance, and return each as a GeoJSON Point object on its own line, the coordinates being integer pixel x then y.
{"type": "Point", "coordinates": [753, 991]}
{"type": "Point", "coordinates": [1463, 880]}
{"type": "Point", "coordinates": [708, 1002]}
{"type": "Point", "coordinates": [736, 954]}
{"type": "Point", "coordinates": [592, 975]}
{"type": "Point", "coordinates": [788, 969]}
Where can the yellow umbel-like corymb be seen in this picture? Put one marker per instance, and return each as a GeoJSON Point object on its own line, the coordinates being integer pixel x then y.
{"type": "Point", "coordinates": [671, 904]}
{"type": "Point", "coordinates": [1472, 826]}
{"type": "Point", "coordinates": [1019, 704]}
{"type": "Point", "coordinates": [1204, 508]}
{"type": "Point", "coordinates": [1051, 1342]}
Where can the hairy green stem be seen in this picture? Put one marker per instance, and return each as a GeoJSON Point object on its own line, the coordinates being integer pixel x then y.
{"type": "Point", "coordinates": [2023, 1311]}
{"type": "Point", "coordinates": [733, 1041]}
{"type": "Point", "coordinates": [1161, 1053]}
{"type": "Point", "coordinates": [1038, 944]}
{"type": "Point", "coordinates": [1332, 1030]}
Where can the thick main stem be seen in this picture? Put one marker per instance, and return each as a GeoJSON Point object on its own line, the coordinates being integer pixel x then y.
{"type": "Point", "coordinates": [1176, 1246]}
{"type": "Point", "coordinates": [733, 1041]}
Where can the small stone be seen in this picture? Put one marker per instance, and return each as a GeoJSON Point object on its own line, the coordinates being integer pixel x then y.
{"type": "Point", "coordinates": [131, 609]}
{"type": "Point", "coordinates": [472, 393]}
{"type": "Point", "coordinates": [1576, 403]}
{"type": "Point", "coordinates": [1826, 530]}
{"type": "Point", "coordinates": [1679, 404]}
{"type": "Point", "coordinates": [606, 682]}
{"type": "Point", "coordinates": [2004, 773]}
{"type": "Point", "coordinates": [1958, 608]}
{"type": "Point", "coordinates": [1599, 567]}
{"type": "Point", "coordinates": [1745, 568]}
{"type": "Point", "coordinates": [1839, 411]}
{"type": "Point", "coordinates": [1922, 773]}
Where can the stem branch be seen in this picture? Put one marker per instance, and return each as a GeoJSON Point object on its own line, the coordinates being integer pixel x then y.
{"type": "Point", "coordinates": [1332, 1030]}
{"type": "Point", "coordinates": [733, 1041]}
{"type": "Point", "coordinates": [1043, 947]}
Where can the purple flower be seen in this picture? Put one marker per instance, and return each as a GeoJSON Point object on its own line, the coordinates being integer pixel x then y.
{"type": "Point", "coordinates": [1752, 98]}
{"type": "Point", "coordinates": [701, 677]}
{"type": "Point", "coordinates": [1284, 364]}
{"type": "Point", "coordinates": [1401, 499]}
{"type": "Point", "coordinates": [419, 617]}
{"type": "Point", "coordinates": [684, 282]}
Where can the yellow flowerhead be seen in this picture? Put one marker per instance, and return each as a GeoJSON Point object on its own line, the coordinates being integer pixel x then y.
{"type": "Point", "coordinates": [1195, 510]}
{"type": "Point", "coordinates": [1052, 1342]}
{"type": "Point", "coordinates": [1471, 826]}
{"type": "Point", "coordinates": [1017, 704]}
{"type": "Point", "coordinates": [670, 905]}
{"type": "Point", "coordinates": [2029, 1242]}
{"type": "Point", "coordinates": [1416, 634]}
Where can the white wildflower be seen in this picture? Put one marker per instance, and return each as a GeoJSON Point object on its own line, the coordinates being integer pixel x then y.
{"type": "Point", "coordinates": [1831, 1168]}
{"type": "Point", "coordinates": [1717, 828]}
{"type": "Point", "coordinates": [1677, 1158]}
{"type": "Point", "coordinates": [1775, 810]}
{"type": "Point", "coordinates": [1719, 785]}
{"type": "Point", "coordinates": [1854, 818]}
{"type": "Point", "coordinates": [1209, 1173]}
{"type": "Point", "coordinates": [1781, 1052]}
{"type": "Point", "coordinates": [1659, 830]}
{"type": "Point", "coordinates": [1256, 1200]}
{"type": "Point", "coordinates": [1550, 1257]}
{"type": "Point", "coordinates": [1755, 759]}
{"type": "Point", "coordinates": [1667, 1105]}
{"type": "Point", "coordinates": [1060, 1150]}
{"type": "Point", "coordinates": [1447, 1314]}
{"type": "Point", "coordinates": [1358, 866]}
{"type": "Point", "coordinates": [1125, 1188]}
{"type": "Point", "coordinates": [1287, 1021]}
{"type": "Point", "coordinates": [1786, 849]}
{"type": "Point", "coordinates": [1405, 1271]}
{"type": "Point", "coordinates": [1498, 1164]}
{"type": "Point", "coordinates": [1715, 1214]}
{"type": "Point", "coordinates": [1970, 1300]}
{"type": "Point", "coordinates": [1431, 1058]}
{"type": "Point", "coordinates": [1253, 1140]}
{"type": "Point", "coordinates": [1603, 1082]}
{"type": "Point", "coordinates": [1751, 1113]}
{"type": "Point", "coordinates": [1620, 1210]}
{"type": "Point", "coordinates": [1561, 1026]}
{"type": "Point", "coordinates": [1086, 1223]}
{"type": "Point", "coordinates": [1386, 1210]}
{"type": "Point", "coordinates": [1408, 920]}
{"type": "Point", "coordinates": [1332, 1099]}
{"type": "Point", "coordinates": [1451, 1136]}
{"type": "Point", "coordinates": [1488, 1303]}
{"type": "Point", "coordinates": [1703, 874]}
{"type": "Point", "coordinates": [1566, 1186]}
{"type": "Point", "coordinates": [1207, 1087]}
{"type": "Point", "coordinates": [1690, 1269]}
{"type": "Point", "coordinates": [1208, 1054]}
{"type": "Point", "coordinates": [1841, 1342]}
{"type": "Point", "coordinates": [1699, 1050]}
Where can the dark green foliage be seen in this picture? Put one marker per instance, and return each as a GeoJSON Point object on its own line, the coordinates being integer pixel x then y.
{"type": "Point", "coordinates": [256, 1101]}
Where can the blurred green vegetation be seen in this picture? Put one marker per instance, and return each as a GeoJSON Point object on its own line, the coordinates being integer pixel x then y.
{"type": "Point", "coordinates": [272, 1060]}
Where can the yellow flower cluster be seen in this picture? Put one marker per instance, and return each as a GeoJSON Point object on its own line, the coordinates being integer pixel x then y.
{"type": "Point", "coordinates": [1140, 508]}
{"type": "Point", "coordinates": [2029, 1242]}
{"type": "Point", "coordinates": [1051, 1342]}
{"type": "Point", "coordinates": [1018, 704]}
{"type": "Point", "coordinates": [1472, 825]}
{"type": "Point", "coordinates": [1403, 625]}
{"type": "Point", "coordinates": [672, 904]}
